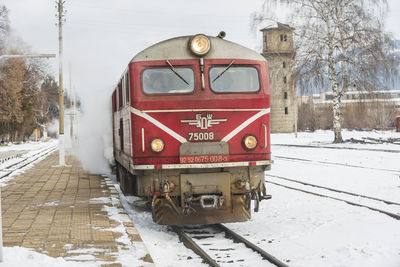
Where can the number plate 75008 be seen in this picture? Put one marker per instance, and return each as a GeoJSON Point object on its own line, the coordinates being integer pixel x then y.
{"type": "Point", "coordinates": [202, 136]}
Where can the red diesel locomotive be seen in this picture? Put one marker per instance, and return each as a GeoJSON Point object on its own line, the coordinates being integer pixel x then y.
{"type": "Point", "coordinates": [191, 130]}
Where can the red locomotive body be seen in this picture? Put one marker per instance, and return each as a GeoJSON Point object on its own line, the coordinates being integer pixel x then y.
{"type": "Point", "coordinates": [191, 129]}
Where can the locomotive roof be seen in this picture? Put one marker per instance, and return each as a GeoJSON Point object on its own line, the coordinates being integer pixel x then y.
{"type": "Point", "coordinates": [178, 48]}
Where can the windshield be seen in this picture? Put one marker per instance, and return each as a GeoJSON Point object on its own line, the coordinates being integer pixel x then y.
{"type": "Point", "coordinates": [234, 80]}
{"type": "Point", "coordinates": [165, 81]}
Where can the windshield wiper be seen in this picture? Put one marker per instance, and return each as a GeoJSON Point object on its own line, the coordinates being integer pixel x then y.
{"type": "Point", "coordinates": [177, 74]}
{"type": "Point", "coordinates": [227, 68]}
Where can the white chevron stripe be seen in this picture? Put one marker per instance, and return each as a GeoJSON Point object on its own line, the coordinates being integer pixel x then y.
{"type": "Point", "coordinates": [201, 109]}
{"type": "Point", "coordinates": [158, 124]}
{"type": "Point", "coordinates": [184, 140]}
{"type": "Point", "coordinates": [245, 124]}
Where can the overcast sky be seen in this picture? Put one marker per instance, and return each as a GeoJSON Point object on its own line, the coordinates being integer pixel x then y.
{"type": "Point", "coordinates": [101, 36]}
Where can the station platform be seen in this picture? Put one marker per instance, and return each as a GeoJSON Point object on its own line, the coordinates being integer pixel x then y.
{"type": "Point", "coordinates": [67, 212]}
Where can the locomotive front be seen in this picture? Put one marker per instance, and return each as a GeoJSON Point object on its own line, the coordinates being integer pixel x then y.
{"type": "Point", "coordinates": [191, 130]}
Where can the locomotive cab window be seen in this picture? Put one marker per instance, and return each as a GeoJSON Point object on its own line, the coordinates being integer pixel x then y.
{"type": "Point", "coordinates": [166, 81]}
{"type": "Point", "coordinates": [234, 80]}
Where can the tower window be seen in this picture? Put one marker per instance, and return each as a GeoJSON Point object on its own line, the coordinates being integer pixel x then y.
{"type": "Point", "coordinates": [286, 110]}
{"type": "Point", "coordinates": [283, 37]}
{"type": "Point", "coordinates": [284, 79]}
{"type": "Point", "coordinates": [284, 64]}
{"type": "Point", "coordinates": [284, 95]}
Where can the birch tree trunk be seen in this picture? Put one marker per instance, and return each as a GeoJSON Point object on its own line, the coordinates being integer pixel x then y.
{"type": "Point", "coordinates": [337, 114]}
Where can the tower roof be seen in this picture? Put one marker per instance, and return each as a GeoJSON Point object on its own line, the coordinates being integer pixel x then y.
{"type": "Point", "coordinates": [278, 26]}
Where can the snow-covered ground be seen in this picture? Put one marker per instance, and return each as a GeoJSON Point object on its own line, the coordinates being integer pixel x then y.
{"type": "Point", "coordinates": [306, 230]}
{"type": "Point", "coordinates": [298, 228]}
{"type": "Point", "coordinates": [26, 152]}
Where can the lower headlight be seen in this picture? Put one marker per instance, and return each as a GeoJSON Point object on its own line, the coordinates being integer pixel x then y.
{"type": "Point", "coordinates": [157, 145]}
{"type": "Point", "coordinates": [250, 142]}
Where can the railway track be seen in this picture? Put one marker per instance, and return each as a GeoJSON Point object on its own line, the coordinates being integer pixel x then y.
{"type": "Point", "coordinates": [350, 202]}
{"type": "Point", "coordinates": [11, 154]}
{"type": "Point", "coordinates": [7, 171]}
{"type": "Point", "coordinates": [333, 163]}
{"type": "Point", "coordinates": [336, 190]}
{"type": "Point", "coordinates": [219, 241]}
{"type": "Point", "coordinates": [334, 147]}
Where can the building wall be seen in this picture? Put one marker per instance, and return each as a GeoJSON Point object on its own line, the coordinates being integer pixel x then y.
{"type": "Point", "coordinates": [278, 50]}
{"type": "Point", "coordinates": [370, 110]}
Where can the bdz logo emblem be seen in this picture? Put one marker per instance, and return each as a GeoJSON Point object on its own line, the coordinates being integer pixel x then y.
{"type": "Point", "coordinates": [204, 122]}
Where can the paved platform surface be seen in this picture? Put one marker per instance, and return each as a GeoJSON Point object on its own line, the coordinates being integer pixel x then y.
{"type": "Point", "coordinates": [67, 212]}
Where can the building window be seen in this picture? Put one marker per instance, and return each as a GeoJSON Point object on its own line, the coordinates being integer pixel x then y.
{"type": "Point", "coordinates": [284, 64]}
{"type": "Point", "coordinates": [120, 104]}
{"type": "Point", "coordinates": [284, 79]}
{"type": "Point", "coordinates": [114, 101]}
{"type": "Point", "coordinates": [127, 87]}
{"type": "Point", "coordinates": [328, 97]}
{"type": "Point", "coordinates": [284, 95]}
{"type": "Point", "coordinates": [283, 37]}
{"type": "Point", "coordinates": [286, 110]}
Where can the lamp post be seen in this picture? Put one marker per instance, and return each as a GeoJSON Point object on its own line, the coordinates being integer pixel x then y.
{"type": "Point", "coordinates": [61, 14]}
{"type": "Point", "coordinates": [1, 58]}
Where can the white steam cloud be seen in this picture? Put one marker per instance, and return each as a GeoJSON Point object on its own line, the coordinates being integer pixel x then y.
{"type": "Point", "coordinates": [93, 144]}
{"type": "Point", "coordinates": [92, 129]}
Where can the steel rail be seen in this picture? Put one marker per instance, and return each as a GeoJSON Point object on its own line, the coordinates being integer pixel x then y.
{"type": "Point", "coordinates": [16, 163]}
{"type": "Point", "coordinates": [263, 253]}
{"type": "Point", "coordinates": [188, 241]}
{"type": "Point", "coordinates": [193, 246]}
{"type": "Point", "coordinates": [25, 159]}
{"type": "Point", "coordinates": [348, 148]}
{"type": "Point", "coordinates": [336, 190]}
{"type": "Point", "coordinates": [14, 155]}
{"type": "Point", "coordinates": [393, 215]}
{"type": "Point", "coordinates": [45, 151]}
{"type": "Point", "coordinates": [334, 163]}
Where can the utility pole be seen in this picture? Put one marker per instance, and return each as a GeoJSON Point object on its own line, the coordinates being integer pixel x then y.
{"type": "Point", "coordinates": [61, 14]}
{"type": "Point", "coordinates": [74, 112]}
{"type": "Point", "coordinates": [71, 104]}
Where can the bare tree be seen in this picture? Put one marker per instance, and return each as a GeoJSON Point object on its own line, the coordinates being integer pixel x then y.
{"type": "Point", "coordinates": [4, 28]}
{"type": "Point", "coordinates": [339, 43]}
{"type": "Point", "coordinates": [24, 102]}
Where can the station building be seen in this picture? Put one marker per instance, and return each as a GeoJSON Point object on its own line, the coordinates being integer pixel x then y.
{"type": "Point", "coordinates": [361, 109]}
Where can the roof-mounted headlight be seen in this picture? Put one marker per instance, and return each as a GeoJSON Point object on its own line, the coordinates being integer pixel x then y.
{"type": "Point", "coordinates": [200, 44]}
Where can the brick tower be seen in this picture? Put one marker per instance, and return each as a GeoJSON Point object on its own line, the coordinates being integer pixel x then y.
{"type": "Point", "coordinates": [278, 49]}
